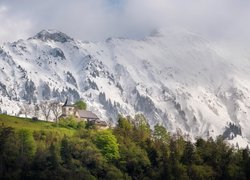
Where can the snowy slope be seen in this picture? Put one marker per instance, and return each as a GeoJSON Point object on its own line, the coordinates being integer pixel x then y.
{"type": "Point", "coordinates": [175, 78]}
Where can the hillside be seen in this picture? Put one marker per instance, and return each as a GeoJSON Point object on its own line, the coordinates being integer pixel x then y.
{"type": "Point", "coordinates": [31, 125]}
{"type": "Point", "coordinates": [176, 78]}
{"type": "Point", "coordinates": [31, 150]}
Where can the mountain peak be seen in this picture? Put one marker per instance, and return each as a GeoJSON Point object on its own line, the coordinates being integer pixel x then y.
{"type": "Point", "coordinates": [170, 31]}
{"type": "Point", "coordinates": [53, 35]}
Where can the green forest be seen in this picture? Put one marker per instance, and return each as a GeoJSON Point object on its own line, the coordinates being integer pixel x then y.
{"type": "Point", "coordinates": [31, 149]}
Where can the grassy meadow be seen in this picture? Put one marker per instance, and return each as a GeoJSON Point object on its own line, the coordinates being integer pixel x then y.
{"type": "Point", "coordinates": [31, 125]}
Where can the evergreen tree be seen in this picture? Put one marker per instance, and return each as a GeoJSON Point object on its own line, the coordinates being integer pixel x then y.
{"type": "Point", "coordinates": [9, 161]}
{"type": "Point", "coordinates": [66, 151]}
{"type": "Point", "coordinates": [53, 157]}
{"type": "Point", "coordinates": [27, 143]}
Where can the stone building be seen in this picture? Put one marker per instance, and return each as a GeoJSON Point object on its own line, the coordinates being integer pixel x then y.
{"type": "Point", "coordinates": [82, 115]}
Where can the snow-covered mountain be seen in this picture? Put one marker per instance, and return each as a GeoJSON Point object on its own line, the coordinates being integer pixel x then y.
{"type": "Point", "coordinates": [175, 78]}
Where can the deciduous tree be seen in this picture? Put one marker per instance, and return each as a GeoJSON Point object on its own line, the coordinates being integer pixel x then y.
{"type": "Point", "coordinates": [107, 142]}
{"type": "Point", "coordinates": [56, 110]}
{"type": "Point", "coordinates": [81, 105]}
{"type": "Point", "coordinates": [45, 107]}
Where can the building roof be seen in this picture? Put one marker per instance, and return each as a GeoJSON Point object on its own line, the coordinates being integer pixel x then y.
{"type": "Point", "coordinates": [101, 123]}
{"type": "Point", "coordinates": [87, 114]}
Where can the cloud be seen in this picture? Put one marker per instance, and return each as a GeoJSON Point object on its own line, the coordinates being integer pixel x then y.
{"type": "Point", "coordinates": [12, 28]}
{"type": "Point", "coordinates": [99, 19]}
{"type": "Point", "coordinates": [211, 18]}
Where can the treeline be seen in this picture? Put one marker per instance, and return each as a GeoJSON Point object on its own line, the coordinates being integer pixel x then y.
{"type": "Point", "coordinates": [129, 151]}
{"type": "Point", "coordinates": [48, 110]}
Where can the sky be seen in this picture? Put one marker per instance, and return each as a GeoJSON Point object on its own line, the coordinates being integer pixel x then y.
{"type": "Point", "coordinates": [96, 20]}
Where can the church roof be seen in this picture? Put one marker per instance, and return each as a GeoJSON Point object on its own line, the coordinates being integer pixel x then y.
{"type": "Point", "coordinates": [87, 114]}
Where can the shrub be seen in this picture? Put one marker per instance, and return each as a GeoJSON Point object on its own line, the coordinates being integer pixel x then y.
{"type": "Point", "coordinates": [71, 122]}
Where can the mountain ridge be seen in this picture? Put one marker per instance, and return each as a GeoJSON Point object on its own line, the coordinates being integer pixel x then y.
{"type": "Point", "coordinates": [175, 78]}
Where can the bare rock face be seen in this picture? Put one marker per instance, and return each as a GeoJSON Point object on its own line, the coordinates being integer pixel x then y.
{"type": "Point", "coordinates": [71, 79]}
{"type": "Point", "coordinates": [57, 52]}
{"type": "Point", "coordinates": [46, 93]}
{"type": "Point", "coordinates": [29, 91]}
{"type": "Point", "coordinates": [53, 35]}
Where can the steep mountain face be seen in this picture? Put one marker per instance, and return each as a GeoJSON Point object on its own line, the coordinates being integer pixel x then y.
{"type": "Point", "coordinates": [177, 79]}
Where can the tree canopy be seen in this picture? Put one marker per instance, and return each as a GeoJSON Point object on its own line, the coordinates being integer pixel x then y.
{"type": "Point", "coordinates": [81, 105]}
{"type": "Point", "coordinates": [128, 151]}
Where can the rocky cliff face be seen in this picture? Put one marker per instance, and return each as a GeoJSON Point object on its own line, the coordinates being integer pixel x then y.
{"type": "Point", "coordinates": [177, 79]}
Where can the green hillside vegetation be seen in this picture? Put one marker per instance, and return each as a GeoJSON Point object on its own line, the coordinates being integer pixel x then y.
{"type": "Point", "coordinates": [131, 150]}
{"type": "Point", "coordinates": [34, 125]}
